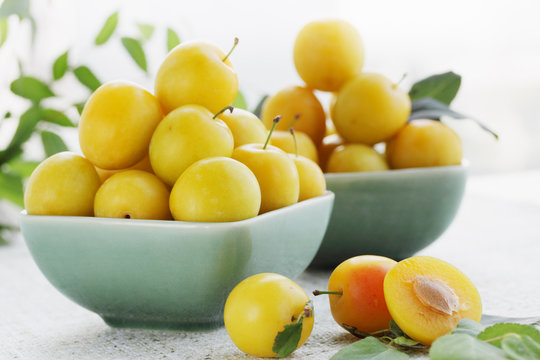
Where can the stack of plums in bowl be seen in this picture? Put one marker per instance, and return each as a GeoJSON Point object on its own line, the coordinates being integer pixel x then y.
{"type": "Point", "coordinates": [178, 197]}
{"type": "Point", "coordinates": [398, 183]}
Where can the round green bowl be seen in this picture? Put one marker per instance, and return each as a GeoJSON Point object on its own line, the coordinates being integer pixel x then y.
{"type": "Point", "coordinates": [170, 274]}
{"type": "Point", "coordinates": [390, 213]}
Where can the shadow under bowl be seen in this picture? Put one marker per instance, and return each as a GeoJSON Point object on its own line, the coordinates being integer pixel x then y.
{"type": "Point", "coordinates": [390, 213]}
{"type": "Point", "coordinates": [170, 274]}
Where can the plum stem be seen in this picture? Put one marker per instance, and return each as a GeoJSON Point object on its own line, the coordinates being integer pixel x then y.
{"type": "Point", "coordinates": [230, 51]}
{"type": "Point", "coordinates": [399, 81]}
{"type": "Point", "coordinates": [323, 292]}
{"type": "Point", "coordinates": [274, 123]}
{"type": "Point", "coordinates": [291, 130]}
{"type": "Point", "coordinates": [296, 117]}
{"type": "Point", "coordinates": [223, 110]}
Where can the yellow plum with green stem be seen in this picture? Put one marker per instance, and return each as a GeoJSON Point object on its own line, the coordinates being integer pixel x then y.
{"type": "Point", "coordinates": [260, 307]}
{"type": "Point", "coordinates": [186, 135]}
{"type": "Point", "coordinates": [275, 172]}
{"type": "Point", "coordinates": [196, 72]}
{"type": "Point", "coordinates": [370, 109]}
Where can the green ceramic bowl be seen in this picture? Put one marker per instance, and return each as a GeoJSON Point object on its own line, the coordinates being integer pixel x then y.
{"type": "Point", "coordinates": [170, 274]}
{"type": "Point", "coordinates": [391, 213]}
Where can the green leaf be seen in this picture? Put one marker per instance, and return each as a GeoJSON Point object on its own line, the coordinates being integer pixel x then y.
{"type": "Point", "coordinates": [107, 30]}
{"type": "Point", "coordinates": [31, 88]}
{"type": "Point", "coordinates": [367, 349]}
{"type": "Point", "coordinates": [146, 31]}
{"type": "Point", "coordinates": [23, 168]}
{"type": "Point", "coordinates": [11, 188]}
{"type": "Point", "coordinates": [172, 39]}
{"type": "Point", "coordinates": [463, 347]}
{"type": "Point", "coordinates": [469, 327]}
{"type": "Point", "coordinates": [15, 7]}
{"type": "Point", "coordinates": [521, 348]}
{"type": "Point", "coordinates": [52, 143]}
{"type": "Point", "coordinates": [26, 126]}
{"type": "Point", "coordinates": [428, 108]}
{"type": "Point", "coordinates": [56, 117]}
{"type": "Point", "coordinates": [441, 87]}
{"type": "Point", "coordinates": [80, 106]}
{"type": "Point", "coordinates": [60, 66]}
{"type": "Point", "coordinates": [3, 31]}
{"type": "Point", "coordinates": [286, 341]}
{"type": "Point", "coordinates": [136, 51]}
{"type": "Point", "coordinates": [405, 341]}
{"type": "Point", "coordinates": [258, 109]}
{"type": "Point", "coordinates": [240, 101]}
{"type": "Point", "coordinates": [87, 77]}
{"type": "Point", "coordinates": [395, 329]}
{"type": "Point", "coordinates": [502, 329]}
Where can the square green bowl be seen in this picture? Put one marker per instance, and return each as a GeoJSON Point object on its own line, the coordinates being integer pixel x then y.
{"type": "Point", "coordinates": [170, 274]}
{"type": "Point", "coordinates": [390, 213]}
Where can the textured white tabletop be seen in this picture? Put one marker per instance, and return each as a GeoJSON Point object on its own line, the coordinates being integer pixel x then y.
{"type": "Point", "coordinates": [495, 240]}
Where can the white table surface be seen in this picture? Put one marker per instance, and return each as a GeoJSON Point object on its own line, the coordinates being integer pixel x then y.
{"type": "Point", "coordinates": [495, 240]}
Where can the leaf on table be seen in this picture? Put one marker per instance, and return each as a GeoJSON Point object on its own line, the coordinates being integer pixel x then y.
{"type": "Point", "coordinates": [52, 143]}
{"type": "Point", "coordinates": [405, 341]}
{"type": "Point", "coordinates": [3, 30]}
{"type": "Point", "coordinates": [441, 87]}
{"type": "Point", "coordinates": [521, 348]}
{"type": "Point", "coordinates": [240, 101]}
{"type": "Point", "coordinates": [87, 77]}
{"type": "Point", "coordinates": [463, 346]}
{"type": "Point", "coordinates": [258, 109]}
{"type": "Point", "coordinates": [395, 329]}
{"type": "Point", "coordinates": [136, 51]}
{"type": "Point", "coordinates": [31, 88]}
{"type": "Point", "coordinates": [11, 188]}
{"type": "Point", "coordinates": [146, 31]}
{"type": "Point", "coordinates": [172, 39]}
{"type": "Point", "coordinates": [287, 340]}
{"type": "Point", "coordinates": [369, 348]}
{"type": "Point", "coordinates": [469, 327]}
{"type": "Point", "coordinates": [107, 29]}
{"type": "Point", "coordinates": [56, 117]}
{"type": "Point", "coordinates": [60, 66]}
{"type": "Point", "coordinates": [502, 329]}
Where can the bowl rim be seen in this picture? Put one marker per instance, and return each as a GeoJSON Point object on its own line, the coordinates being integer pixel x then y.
{"type": "Point", "coordinates": [464, 166]}
{"type": "Point", "coordinates": [24, 217]}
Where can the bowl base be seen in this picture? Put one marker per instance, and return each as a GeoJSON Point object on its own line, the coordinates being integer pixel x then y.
{"type": "Point", "coordinates": [153, 324]}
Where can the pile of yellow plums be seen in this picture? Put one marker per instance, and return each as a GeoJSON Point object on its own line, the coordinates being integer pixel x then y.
{"type": "Point", "coordinates": [366, 109]}
{"type": "Point", "coordinates": [183, 153]}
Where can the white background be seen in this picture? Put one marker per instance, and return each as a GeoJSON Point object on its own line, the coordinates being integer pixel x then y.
{"type": "Point", "coordinates": [494, 45]}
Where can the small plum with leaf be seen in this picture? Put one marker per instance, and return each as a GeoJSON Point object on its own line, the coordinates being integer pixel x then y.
{"type": "Point", "coordinates": [261, 307]}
